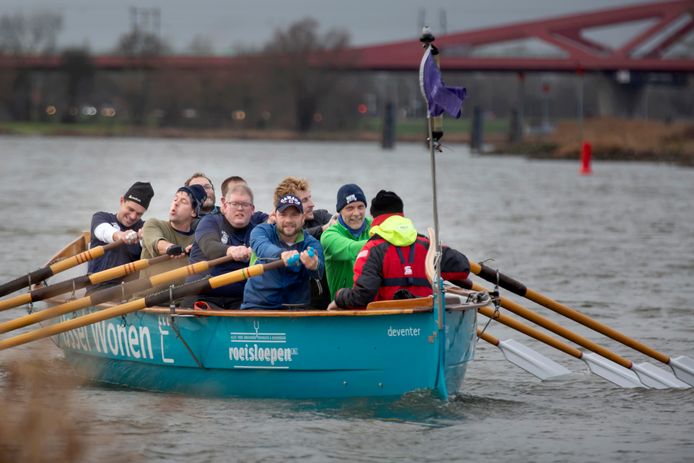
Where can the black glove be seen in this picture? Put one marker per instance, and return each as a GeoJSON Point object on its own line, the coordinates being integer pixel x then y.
{"type": "Point", "coordinates": [174, 250]}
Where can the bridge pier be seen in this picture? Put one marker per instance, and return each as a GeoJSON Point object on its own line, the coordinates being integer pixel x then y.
{"type": "Point", "coordinates": [620, 94]}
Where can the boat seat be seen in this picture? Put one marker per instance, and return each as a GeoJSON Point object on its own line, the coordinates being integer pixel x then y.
{"type": "Point", "coordinates": [416, 303]}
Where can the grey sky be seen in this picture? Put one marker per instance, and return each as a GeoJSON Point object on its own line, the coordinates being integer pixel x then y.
{"type": "Point", "coordinates": [227, 24]}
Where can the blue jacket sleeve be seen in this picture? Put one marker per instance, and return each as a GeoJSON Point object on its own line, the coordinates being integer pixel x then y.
{"type": "Point", "coordinates": [262, 242]}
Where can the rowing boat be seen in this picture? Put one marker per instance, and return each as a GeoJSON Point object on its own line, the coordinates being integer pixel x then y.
{"type": "Point", "coordinates": [389, 349]}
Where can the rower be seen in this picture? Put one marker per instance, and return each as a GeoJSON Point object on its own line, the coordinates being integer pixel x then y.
{"type": "Point", "coordinates": [226, 234]}
{"type": "Point", "coordinates": [285, 239]}
{"type": "Point", "coordinates": [126, 225]}
{"type": "Point", "coordinates": [392, 263]}
{"type": "Point", "coordinates": [174, 236]}
{"type": "Point", "coordinates": [316, 221]}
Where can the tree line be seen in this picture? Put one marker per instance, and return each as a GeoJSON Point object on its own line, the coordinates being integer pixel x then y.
{"type": "Point", "coordinates": [273, 87]}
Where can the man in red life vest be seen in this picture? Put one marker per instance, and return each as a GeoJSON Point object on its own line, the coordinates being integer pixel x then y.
{"type": "Point", "coordinates": [393, 260]}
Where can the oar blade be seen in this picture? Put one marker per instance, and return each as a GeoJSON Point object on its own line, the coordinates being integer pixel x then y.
{"type": "Point", "coordinates": [683, 367]}
{"type": "Point", "coordinates": [531, 361]}
{"type": "Point", "coordinates": [611, 371]}
{"type": "Point", "coordinates": [658, 378]}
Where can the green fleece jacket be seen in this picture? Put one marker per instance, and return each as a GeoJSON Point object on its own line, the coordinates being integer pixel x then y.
{"type": "Point", "coordinates": [340, 249]}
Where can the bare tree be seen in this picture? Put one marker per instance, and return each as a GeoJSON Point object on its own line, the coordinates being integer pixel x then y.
{"type": "Point", "coordinates": [24, 35]}
{"type": "Point", "coordinates": [292, 54]}
{"type": "Point", "coordinates": [28, 35]}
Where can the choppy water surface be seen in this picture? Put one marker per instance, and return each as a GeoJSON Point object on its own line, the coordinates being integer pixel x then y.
{"type": "Point", "coordinates": [618, 245]}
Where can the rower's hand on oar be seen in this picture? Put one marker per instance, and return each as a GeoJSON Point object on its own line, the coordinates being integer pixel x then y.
{"type": "Point", "coordinates": [128, 236]}
{"type": "Point", "coordinates": [290, 258]}
{"type": "Point", "coordinates": [309, 258]}
{"type": "Point", "coordinates": [174, 251]}
{"type": "Point", "coordinates": [239, 253]}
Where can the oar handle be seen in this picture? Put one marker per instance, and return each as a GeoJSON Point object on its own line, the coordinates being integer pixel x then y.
{"type": "Point", "coordinates": [138, 304]}
{"type": "Point", "coordinates": [68, 325]}
{"type": "Point", "coordinates": [113, 293]}
{"type": "Point", "coordinates": [83, 281]}
{"type": "Point", "coordinates": [296, 258]}
{"type": "Point", "coordinates": [188, 270]}
{"type": "Point", "coordinates": [50, 270]}
{"type": "Point", "coordinates": [125, 269]}
{"type": "Point", "coordinates": [83, 257]}
{"type": "Point", "coordinates": [494, 276]}
{"type": "Point", "coordinates": [24, 281]}
{"type": "Point", "coordinates": [45, 314]}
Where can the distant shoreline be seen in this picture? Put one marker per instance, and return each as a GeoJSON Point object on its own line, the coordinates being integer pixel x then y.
{"type": "Point", "coordinates": [611, 139]}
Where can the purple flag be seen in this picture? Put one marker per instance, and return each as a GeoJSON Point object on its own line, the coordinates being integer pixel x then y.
{"type": "Point", "coordinates": [439, 97]}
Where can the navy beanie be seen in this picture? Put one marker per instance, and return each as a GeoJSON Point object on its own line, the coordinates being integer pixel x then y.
{"type": "Point", "coordinates": [197, 194]}
{"type": "Point", "coordinates": [348, 194]}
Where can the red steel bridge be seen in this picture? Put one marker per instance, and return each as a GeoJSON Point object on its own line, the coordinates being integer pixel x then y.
{"type": "Point", "coordinates": [668, 24]}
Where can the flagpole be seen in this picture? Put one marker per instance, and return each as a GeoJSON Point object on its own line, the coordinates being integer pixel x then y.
{"type": "Point", "coordinates": [440, 98]}
{"type": "Point", "coordinates": [427, 38]}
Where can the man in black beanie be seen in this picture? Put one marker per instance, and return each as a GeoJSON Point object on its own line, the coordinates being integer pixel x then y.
{"type": "Point", "coordinates": [125, 225]}
{"type": "Point", "coordinates": [392, 263]}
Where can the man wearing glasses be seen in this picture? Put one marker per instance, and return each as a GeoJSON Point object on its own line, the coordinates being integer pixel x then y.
{"type": "Point", "coordinates": [227, 234]}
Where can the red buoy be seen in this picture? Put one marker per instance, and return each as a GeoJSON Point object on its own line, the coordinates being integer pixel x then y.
{"type": "Point", "coordinates": [585, 159]}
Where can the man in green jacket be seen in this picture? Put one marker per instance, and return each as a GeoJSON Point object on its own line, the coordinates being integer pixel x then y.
{"type": "Point", "coordinates": [343, 241]}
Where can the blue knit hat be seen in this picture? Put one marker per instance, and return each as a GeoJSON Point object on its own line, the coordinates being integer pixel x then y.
{"type": "Point", "coordinates": [197, 194]}
{"type": "Point", "coordinates": [348, 194]}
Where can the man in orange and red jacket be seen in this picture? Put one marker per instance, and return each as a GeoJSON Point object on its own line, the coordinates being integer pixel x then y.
{"type": "Point", "coordinates": [391, 265]}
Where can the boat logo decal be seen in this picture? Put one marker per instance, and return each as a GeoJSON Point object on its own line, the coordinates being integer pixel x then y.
{"type": "Point", "coordinates": [259, 349]}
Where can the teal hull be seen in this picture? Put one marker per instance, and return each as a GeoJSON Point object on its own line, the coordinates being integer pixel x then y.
{"type": "Point", "coordinates": [283, 355]}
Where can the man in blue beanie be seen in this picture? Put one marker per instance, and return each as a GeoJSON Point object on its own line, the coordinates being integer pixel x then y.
{"type": "Point", "coordinates": [343, 241]}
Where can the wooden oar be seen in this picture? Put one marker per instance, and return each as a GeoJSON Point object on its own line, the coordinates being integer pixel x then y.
{"type": "Point", "coordinates": [118, 292]}
{"type": "Point", "coordinates": [649, 375]}
{"type": "Point", "coordinates": [80, 282]}
{"type": "Point", "coordinates": [682, 366]}
{"type": "Point", "coordinates": [529, 360]}
{"type": "Point", "coordinates": [598, 365]}
{"type": "Point", "coordinates": [57, 267]}
{"type": "Point", "coordinates": [138, 304]}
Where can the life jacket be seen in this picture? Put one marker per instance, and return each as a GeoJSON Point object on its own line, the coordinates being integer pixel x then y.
{"type": "Point", "coordinates": [404, 269]}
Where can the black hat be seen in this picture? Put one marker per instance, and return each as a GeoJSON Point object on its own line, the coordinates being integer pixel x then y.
{"type": "Point", "coordinates": [348, 194]}
{"type": "Point", "coordinates": [386, 202]}
{"type": "Point", "coordinates": [197, 194]}
{"type": "Point", "coordinates": [288, 201]}
{"type": "Point", "coordinates": [141, 193]}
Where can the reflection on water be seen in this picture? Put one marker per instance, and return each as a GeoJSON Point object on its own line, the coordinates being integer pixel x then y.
{"type": "Point", "coordinates": [617, 245]}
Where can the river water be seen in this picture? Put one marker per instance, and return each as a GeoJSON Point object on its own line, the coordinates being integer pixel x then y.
{"type": "Point", "coordinates": [617, 245]}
